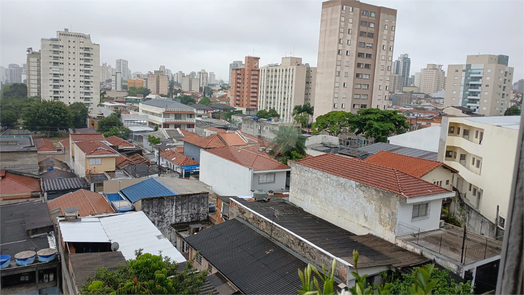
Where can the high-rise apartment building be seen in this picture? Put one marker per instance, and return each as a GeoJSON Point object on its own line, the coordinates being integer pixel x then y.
{"type": "Point", "coordinates": [417, 79]}
{"type": "Point", "coordinates": [70, 69]}
{"type": "Point", "coordinates": [14, 73]}
{"type": "Point", "coordinates": [212, 78]}
{"type": "Point", "coordinates": [33, 73]}
{"type": "Point", "coordinates": [483, 84]}
{"type": "Point", "coordinates": [354, 56]}
{"type": "Point", "coordinates": [432, 79]}
{"type": "Point", "coordinates": [519, 86]}
{"type": "Point", "coordinates": [122, 67]}
{"type": "Point", "coordinates": [158, 83]}
{"type": "Point", "coordinates": [402, 67]}
{"type": "Point", "coordinates": [284, 86]}
{"type": "Point", "coordinates": [190, 83]}
{"type": "Point", "coordinates": [244, 86]}
{"type": "Point", "coordinates": [237, 64]}
{"type": "Point", "coordinates": [106, 72]}
{"type": "Point", "coordinates": [203, 79]}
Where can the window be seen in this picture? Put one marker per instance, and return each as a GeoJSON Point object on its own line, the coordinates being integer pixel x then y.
{"type": "Point", "coordinates": [447, 182]}
{"type": "Point", "coordinates": [349, 31]}
{"type": "Point", "coordinates": [337, 74]}
{"type": "Point", "coordinates": [383, 57]}
{"type": "Point", "coordinates": [342, 106]}
{"type": "Point", "coordinates": [358, 75]}
{"type": "Point", "coordinates": [360, 54]}
{"type": "Point", "coordinates": [369, 45]}
{"type": "Point", "coordinates": [340, 52]}
{"type": "Point", "coordinates": [266, 178]}
{"type": "Point", "coordinates": [385, 27]}
{"type": "Point", "coordinates": [370, 35]}
{"type": "Point", "coordinates": [362, 34]}
{"type": "Point", "coordinates": [358, 86]}
{"type": "Point", "coordinates": [393, 28]}
{"type": "Point", "coordinates": [344, 85]}
{"type": "Point", "coordinates": [472, 160]}
{"type": "Point", "coordinates": [347, 63]}
{"type": "Point", "coordinates": [356, 96]}
{"type": "Point", "coordinates": [364, 23]}
{"type": "Point", "coordinates": [368, 55]}
{"type": "Point", "coordinates": [342, 30]}
{"type": "Point", "coordinates": [346, 74]}
{"type": "Point", "coordinates": [343, 95]}
{"type": "Point", "coordinates": [364, 96]}
{"type": "Point", "coordinates": [371, 25]}
{"type": "Point", "coordinates": [342, 19]}
{"type": "Point", "coordinates": [336, 84]}
{"type": "Point", "coordinates": [363, 106]}
{"type": "Point", "coordinates": [199, 259]}
{"type": "Point", "coordinates": [365, 76]}
{"type": "Point", "coordinates": [420, 210]}
{"type": "Point", "coordinates": [340, 41]}
{"type": "Point", "coordinates": [478, 163]}
{"type": "Point", "coordinates": [343, 7]}
{"type": "Point", "coordinates": [364, 12]}
{"type": "Point", "coordinates": [351, 9]}
{"type": "Point", "coordinates": [367, 66]}
{"type": "Point", "coordinates": [365, 86]}
{"type": "Point", "coordinates": [361, 44]}
{"type": "Point", "coordinates": [209, 268]}
{"type": "Point", "coordinates": [339, 62]}
{"type": "Point", "coordinates": [356, 106]}
{"type": "Point", "coordinates": [348, 42]}
{"type": "Point", "coordinates": [347, 52]}
{"type": "Point", "coordinates": [449, 154]}
{"type": "Point", "coordinates": [451, 129]}
{"type": "Point", "coordinates": [390, 48]}
{"type": "Point", "coordinates": [335, 105]}
{"type": "Point", "coordinates": [97, 161]}
{"type": "Point", "coordinates": [372, 14]}
{"type": "Point", "coordinates": [360, 65]}
{"type": "Point", "coordinates": [502, 221]}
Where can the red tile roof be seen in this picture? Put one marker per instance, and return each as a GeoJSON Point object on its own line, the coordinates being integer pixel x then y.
{"type": "Point", "coordinates": [95, 148]}
{"type": "Point", "coordinates": [177, 158]}
{"type": "Point", "coordinates": [410, 165]}
{"type": "Point", "coordinates": [215, 129]}
{"type": "Point", "coordinates": [119, 142]}
{"type": "Point", "coordinates": [187, 133]}
{"type": "Point", "coordinates": [246, 158]}
{"type": "Point", "coordinates": [208, 142]}
{"type": "Point", "coordinates": [231, 138]}
{"type": "Point", "coordinates": [180, 149]}
{"type": "Point", "coordinates": [86, 136]}
{"type": "Point", "coordinates": [13, 184]}
{"type": "Point", "coordinates": [381, 177]}
{"type": "Point", "coordinates": [65, 142]}
{"type": "Point", "coordinates": [88, 203]}
{"type": "Point", "coordinates": [44, 145]}
{"type": "Point", "coordinates": [122, 161]}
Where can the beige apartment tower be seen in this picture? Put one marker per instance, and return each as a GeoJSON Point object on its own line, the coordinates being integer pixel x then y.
{"type": "Point", "coordinates": [158, 83]}
{"type": "Point", "coordinates": [355, 55]}
{"type": "Point", "coordinates": [284, 86]}
{"type": "Point", "coordinates": [70, 69]}
{"type": "Point", "coordinates": [483, 84]}
{"type": "Point", "coordinates": [432, 79]}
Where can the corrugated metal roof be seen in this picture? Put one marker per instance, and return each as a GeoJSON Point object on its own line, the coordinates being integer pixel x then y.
{"type": "Point", "coordinates": [135, 231]}
{"type": "Point", "coordinates": [147, 189]}
{"type": "Point", "coordinates": [162, 103]}
{"type": "Point", "coordinates": [88, 230]}
{"type": "Point", "coordinates": [59, 184]}
{"type": "Point", "coordinates": [382, 146]}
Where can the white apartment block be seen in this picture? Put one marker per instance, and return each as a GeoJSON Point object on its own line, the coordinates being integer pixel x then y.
{"type": "Point", "coordinates": [70, 69]}
{"type": "Point", "coordinates": [432, 79]}
{"type": "Point", "coordinates": [122, 67]}
{"type": "Point", "coordinates": [483, 150]}
{"type": "Point", "coordinates": [355, 55]}
{"type": "Point", "coordinates": [284, 86]}
{"type": "Point", "coordinates": [483, 84]}
{"type": "Point", "coordinates": [33, 74]}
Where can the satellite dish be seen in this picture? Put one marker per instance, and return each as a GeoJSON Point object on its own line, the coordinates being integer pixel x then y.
{"type": "Point", "coordinates": [114, 246]}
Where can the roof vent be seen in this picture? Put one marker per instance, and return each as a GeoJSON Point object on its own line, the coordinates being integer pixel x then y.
{"type": "Point", "coordinates": [71, 213]}
{"type": "Point", "coordinates": [260, 195]}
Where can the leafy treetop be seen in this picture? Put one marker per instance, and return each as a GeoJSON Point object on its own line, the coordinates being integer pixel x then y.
{"type": "Point", "coordinates": [263, 114]}
{"type": "Point", "coordinates": [288, 144]}
{"type": "Point", "coordinates": [15, 90]}
{"type": "Point", "coordinates": [512, 111]}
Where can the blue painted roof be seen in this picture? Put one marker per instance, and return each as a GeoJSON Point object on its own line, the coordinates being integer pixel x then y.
{"type": "Point", "coordinates": [147, 189]}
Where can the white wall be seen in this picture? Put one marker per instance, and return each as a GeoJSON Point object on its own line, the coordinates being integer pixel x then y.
{"type": "Point", "coordinates": [408, 225]}
{"type": "Point", "coordinates": [278, 186]}
{"type": "Point", "coordinates": [225, 177]}
{"type": "Point", "coordinates": [79, 163]}
{"type": "Point", "coordinates": [423, 139]}
{"type": "Point", "coordinates": [440, 174]}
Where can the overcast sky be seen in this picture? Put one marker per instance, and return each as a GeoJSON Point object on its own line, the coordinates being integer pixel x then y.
{"type": "Point", "coordinates": [191, 35]}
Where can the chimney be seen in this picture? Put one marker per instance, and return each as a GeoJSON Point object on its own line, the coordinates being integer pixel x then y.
{"type": "Point", "coordinates": [71, 213]}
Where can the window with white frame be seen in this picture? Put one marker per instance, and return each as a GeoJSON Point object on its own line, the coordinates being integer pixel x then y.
{"type": "Point", "coordinates": [420, 210]}
{"type": "Point", "coordinates": [266, 178]}
{"type": "Point", "coordinates": [96, 161]}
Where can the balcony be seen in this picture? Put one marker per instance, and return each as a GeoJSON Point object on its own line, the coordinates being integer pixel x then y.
{"type": "Point", "coordinates": [465, 143]}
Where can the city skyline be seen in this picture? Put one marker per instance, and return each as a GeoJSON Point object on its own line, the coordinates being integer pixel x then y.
{"type": "Point", "coordinates": [278, 29]}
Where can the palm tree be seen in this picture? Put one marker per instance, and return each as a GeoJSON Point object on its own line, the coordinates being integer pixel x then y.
{"type": "Point", "coordinates": [303, 114]}
{"type": "Point", "coordinates": [288, 144]}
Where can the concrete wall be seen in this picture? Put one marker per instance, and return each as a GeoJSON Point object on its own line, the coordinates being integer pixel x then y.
{"type": "Point", "coordinates": [225, 177]}
{"type": "Point", "coordinates": [278, 186]}
{"type": "Point", "coordinates": [166, 211]}
{"type": "Point", "coordinates": [26, 162]}
{"type": "Point", "coordinates": [480, 224]}
{"type": "Point", "coordinates": [192, 151]}
{"type": "Point", "coordinates": [408, 225]}
{"type": "Point", "coordinates": [353, 206]}
{"type": "Point", "coordinates": [261, 128]}
{"type": "Point", "coordinates": [79, 161]}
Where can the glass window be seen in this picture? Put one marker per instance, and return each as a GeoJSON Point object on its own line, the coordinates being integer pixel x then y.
{"type": "Point", "coordinates": [368, 55]}
{"type": "Point", "coordinates": [385, 27]}
{"type": "Point", "coordinates": [340, 41]}
{"type": "Point", "coordinates": [356, 96]}
{"type": "Point", "coordinates": [97, 161]}
{"type": "Point", "coordinates": [361, 44]}
{"type": "Point", "coordinates": [364, 12]}
{"type": "Point", "coordinates": [369, 45]}
{"type": "Point", "coordinates": [371, 25]}
{"type": "Point", "coordinates": [372, 14]}
{"type": "Point", "coordinates": [364, 23]}
{"type": "Point", "coordinates": [365, 86]}
{"type": "Point", "coordinates": [362, 34]}
{"type": "Point", "coordinates": [335, 105]}
{"type": "Point", "coordinates": [348, 42]}
{"type": "Point", "coordinates": [347, 52]}
{"type": "Point", "coordinates": [342, 19]}
{"type": "Point", "coordinates": [266, 178]}
{"type": "Point", "coordinates": [360, 65]}
{"type": "Point", "coordinates": [358, 86]}
{"type": "Point", "coordinates": [349, 31]}
{"type": "Point", "coordinates": [342, 106]}
{"type": "Point", "coordinates": [420, 210]}
{"type": "Point", "coordinates": [364, 96]}
{"type": "Point", "coordinates": [342, 30]}
{"type": "Point", "coordinates": [370, 35]}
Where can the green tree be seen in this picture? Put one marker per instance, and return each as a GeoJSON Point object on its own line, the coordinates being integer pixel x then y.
{"type": "Point", "coordinates": [134, 91]}
{"type": "Point", "coordinates": [131, 91]}
{"type": "Point", "coordinates": [288, 144]}
{"type": "Point", "coordinates": [512, 111]}
{"type": "Point", "coordinates": [263, 114]}
{"type": "Point", "coordinates": [47, 116]}
{"type": "Point", "coordinates": [122, 132]}
{"type": "Point", "coordinates": [79, 112]}
{"type": "Point", "coordinates": [147, 274]}
{"type": "Point", "coordinates": [171, 89]}
{"type": "Point", "coordinates": [153, 140]}
{"type": "Point", "coordinates": [8, 118]}
{"type": "Point", "coordinates": [208, 91]}
{"type": "Point", "coordinates": [333, 123]}
{"type": "Point", "coordinates": [103, 94]}
{"type": "Point", "coordinates": [378, 124]}
{"type": "Point", "coordinates": [205, 101]}
{"type": "Point", "coordinates": [187, 99]}
{"type": "Point", "coordinates": [303, 114]}
{"type": "Point", "coordinates": [15, 90]}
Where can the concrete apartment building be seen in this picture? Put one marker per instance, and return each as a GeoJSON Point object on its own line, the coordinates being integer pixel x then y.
{"type": "Point", "coordinates": [244, 86]}
{"type": "Point", "coordinates": [402, 67]}
{"type": "Point", "coordinates": [355, 54]}
{"type": "Point", "coordinates": [483, 84]}
{"type": "Point", "coordinates": [122, 67]}
{"type": "Point", "coordinates": [203, 78]}
{"type": "Point", "coordinates": [70, 69]}
{"type": "Point", "coordinates": [483, 150]}
{"type": "Point", "coordinates": [190, 83]}
{"type": "Point", "coordinates": [168, 114]}
{"type": "Point", "coordinates": [33, 73]}
{"type": "Point", "coordinates": [432, 79]}
{"type": "Point", "coordinates": [158, 83]}
{"type": "Point", "coordinates": [284, 86]}
{"type": "Point", "coordinates": [237, 64]}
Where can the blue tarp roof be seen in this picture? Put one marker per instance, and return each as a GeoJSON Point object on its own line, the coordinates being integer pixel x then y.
{"type": "Point", "coordinates": [147, 189]}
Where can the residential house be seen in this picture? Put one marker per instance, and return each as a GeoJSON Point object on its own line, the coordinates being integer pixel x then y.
{"type": "Point", "coordinates": [27, 231]}
{"type": "Point", "coordinates": [194, 145]}
{"type": "Point", "coordinates": [122, 161]}
{"type": "Point", "coordinates": [364, 197]}
{"type": "Point", "coordinates": [125, 233]}
{"type": "Point", "coordinates": [92, 157]}
{"type": "Point", "coordinates": [56, 187]}
{"type": "Point", "coordinates": [44, 146]}
{"type": "Point", "coordinates": [431, 171]}
{"type": "Point", "coordinates": [51, 163]}
{"type": "Point", "coordinates": [230, 170]}
{"type": "Point", "coordinates": [148, 188]}
{"type": "Point", "coordinates": [88, 203]}
{"type": "Point", "coordinates": [262, 268]}
{"type": "Point", "coordinates": [483, 150]}
{"type": "Point", "coordinates": [320, 242]}
{"type": "Point", "coordinates": [177, 162]}
{"type": "Point", "coordinates": [14, 186]}
{"type": "Point", "coordinates": [74, 138]}
{"type": "Point", "coordinates": [203, 110]}
{"type": "Point", "coordinates": [123, 146]}
{"type": "Point", "coordinates": [168, 114]}
{"type": "Point", "coordinates": [57, 173]}
{"type": "Point", "coordinates": [18, 153]}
